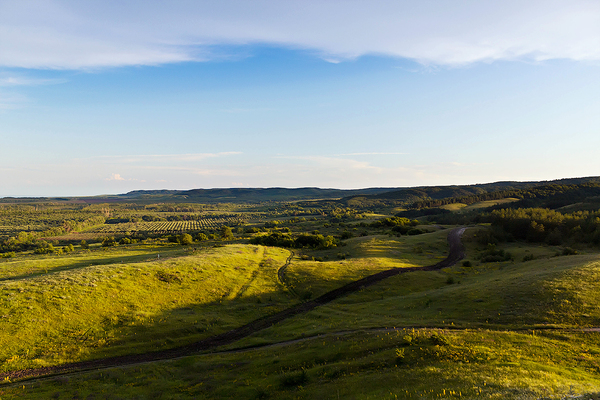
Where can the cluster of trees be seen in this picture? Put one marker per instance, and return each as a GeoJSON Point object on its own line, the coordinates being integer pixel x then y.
{"type": "Point", "coordinates": [279, 239]}
{"type": "Point", "coordinates": [550, 196]}
{"type": "Point", "coordinates": [544, 225]}
{"type": "Point", "coordinates": [401, 225]}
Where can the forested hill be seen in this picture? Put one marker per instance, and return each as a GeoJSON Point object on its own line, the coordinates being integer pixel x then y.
{"type": "Point", "coordinates": [562, 192]}
{"type": "Point", "coordinates": [248, 195]}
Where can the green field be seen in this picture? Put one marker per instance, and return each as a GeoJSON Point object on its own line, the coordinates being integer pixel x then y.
{"type": "Point", "coordinates": [524, 327]}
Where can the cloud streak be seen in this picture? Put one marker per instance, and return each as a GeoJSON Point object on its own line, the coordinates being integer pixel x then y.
{"type": "Point", "coordinates": [69, 34]}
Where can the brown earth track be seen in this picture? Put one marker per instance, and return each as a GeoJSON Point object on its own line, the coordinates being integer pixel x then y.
{"type": "Point", "coordinates": [456, 253]}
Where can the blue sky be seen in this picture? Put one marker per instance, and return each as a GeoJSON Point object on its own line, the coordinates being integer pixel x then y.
{"type": "Point", "coordinates": [101, 97]}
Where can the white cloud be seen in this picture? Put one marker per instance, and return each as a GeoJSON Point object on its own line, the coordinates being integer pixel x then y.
{"type": "Point", "coordinates": [115, 177]}
{"type": "Point", "coordinates": [70, 34]}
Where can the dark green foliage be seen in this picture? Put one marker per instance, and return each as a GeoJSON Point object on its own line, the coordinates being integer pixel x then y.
{"type": "Point", "coordinates": [567, 251]}
{"type": "Point", "coordinates": [541, 225]}
{"type": "Point", "coordinates": [109, 241]}
{"type": "Point", "coordinates": [491, 254]}
{"type": "Point", "coordinates": [467, 264]}
{"type": "Point", "coordinates": [201, 237]}
{"type": "Point", "coordinates": [394, 222]}
{"type": "Point", "coordinates": [346, 235]}
{"type": "Point", "coordinates": [226, 233]}
{"type": "Point", "coordinates": [528, 257]}
{"type": "Point", "coordinates": [304, 240]}
{"type": "Point", "coordinates": [294, 379]}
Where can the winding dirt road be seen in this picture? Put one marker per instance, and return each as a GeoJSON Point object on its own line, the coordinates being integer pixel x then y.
{"type": "Point", "coordinates": [456, 253]}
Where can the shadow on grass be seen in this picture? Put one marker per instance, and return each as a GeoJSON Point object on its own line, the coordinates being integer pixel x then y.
{"type": "Point", "coordinates": [148, 255]}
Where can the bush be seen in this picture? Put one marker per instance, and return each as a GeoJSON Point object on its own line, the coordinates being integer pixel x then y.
{"type": "Point", "coordinates": [294, 379]}
{"type": "Point", "coordinates": [201, 237]}
{"type": "Point", "coordinates": [491, 254]}
{"type": "Point", "coordinates": [400, 354]}
{"type": "Point", "coordinates": [186, 239]}
{"type": "Point", "coordinates": [467, 264]}
{"type": "Point", "coordinates": [567, 251]}
{"type": "Point", "coordinates": [438, 339]}
{"type": "Point", "coordinates": [346, 235]}
{"type": "Point", "coordinates": [528, 257]}
{"type": "Point", "coordinates": [109, 241]}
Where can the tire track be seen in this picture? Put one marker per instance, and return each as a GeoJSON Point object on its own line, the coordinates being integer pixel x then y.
{"type": "Point", "coordinates": [281, 275]}
{"type": "Point", "coordinates": [456, 253]}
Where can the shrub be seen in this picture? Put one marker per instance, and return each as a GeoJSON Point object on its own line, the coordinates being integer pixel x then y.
{"type": "Point", "coordinates": [438, 339]}
{"type": "Point", "coordinates": [346, 235]}
{"type": "Point", "coordinates": [400, 354]}
{"type": "Point", "coordinates": [528, 257]}
{"type": "Point", "coordinates": [109, 241]}
{"type": "Point", "coordinates": [294, 379]}
{"type": "Point", "coordinates": [467, 264]}
{"type": "Point", "coordinates": [186, 239]}
{"type": "Point", "coordinates": [567, 251]}
{"type": "Point", "coordinates": [201, 237]}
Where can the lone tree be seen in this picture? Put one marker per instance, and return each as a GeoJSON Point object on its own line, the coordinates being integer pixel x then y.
{"type": "Point", "coordinates": [226, 233]}
{"type": "Point", "coordinates": [186, 239]}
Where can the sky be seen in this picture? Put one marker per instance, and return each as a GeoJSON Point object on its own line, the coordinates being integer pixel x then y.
{"type": "Point", "coordinates": [105, 97]}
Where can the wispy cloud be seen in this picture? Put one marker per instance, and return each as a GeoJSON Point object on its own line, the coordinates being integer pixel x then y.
{"type": "Point", "coordinates": [162, 158]}
{"type": "Point", "coordinates": [25, 81]}
{"type": "Point", "coordinates": [65, 34]}
{"type": "Point", "coordinates": [372, 154]}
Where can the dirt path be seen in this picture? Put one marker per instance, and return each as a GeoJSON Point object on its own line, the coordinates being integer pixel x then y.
{"type": "Point", "coordinates": [281, 275]}
{"type": "Point", "coordinates": [456, 253]}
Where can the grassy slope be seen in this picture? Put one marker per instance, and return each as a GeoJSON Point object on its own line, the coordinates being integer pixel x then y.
{"type": "Point", "coordinates": [133, 303]}
{"type": "Point", "coordinates": [482, 361]}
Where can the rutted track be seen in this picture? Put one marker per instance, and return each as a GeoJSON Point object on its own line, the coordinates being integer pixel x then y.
{"type": "Point", "coordinates": [456, 253]}
{"type": "Point", "coordinates": [281, 274]}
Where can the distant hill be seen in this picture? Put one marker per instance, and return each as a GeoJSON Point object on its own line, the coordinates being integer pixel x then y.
{"type": "Point", "coordinates": [419, 197]}
{"type": "Point", "coordinates": [431, 196]}
{"type": "Point", "coordinates": [247, 195]}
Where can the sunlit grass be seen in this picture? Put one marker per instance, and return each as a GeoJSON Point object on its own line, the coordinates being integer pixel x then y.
{"type": "Point", "coordinates": [100, 310]}
{"type": "Point", "coordinates": [402, 363]}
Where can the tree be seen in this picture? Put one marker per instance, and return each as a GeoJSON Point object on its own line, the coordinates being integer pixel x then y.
{"type": "Point", "coordinates": [186, 239]}
{"type": "Point", "coordinates": [226, 233]}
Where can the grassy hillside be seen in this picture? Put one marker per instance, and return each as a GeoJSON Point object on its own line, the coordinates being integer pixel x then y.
{"type": "Point", "coordinates": [502, 330]}
{"type": "Point", "coordinates": [118, 301]}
